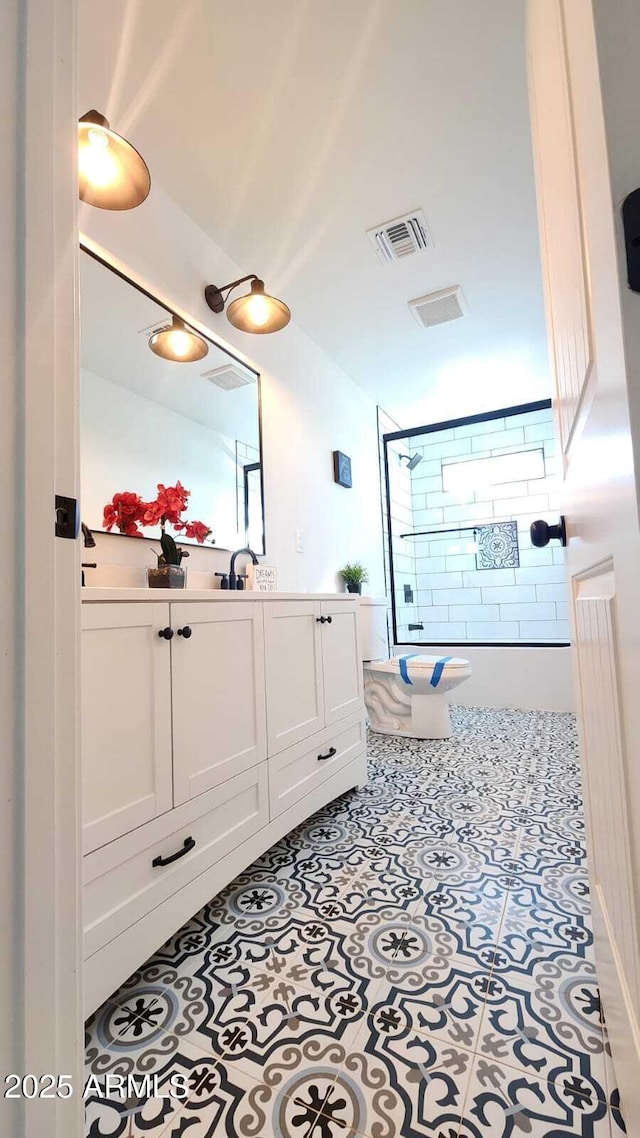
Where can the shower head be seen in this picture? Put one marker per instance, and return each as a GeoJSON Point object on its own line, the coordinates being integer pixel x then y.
{"type": "Point", "coordinates": [412, 460]}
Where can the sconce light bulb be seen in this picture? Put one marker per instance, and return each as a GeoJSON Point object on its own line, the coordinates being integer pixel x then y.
{"type": "Point", "coordinates": [96, 161]}
{"type": "Point", "coordinates": [97, 137]}
{"type": "Point", "coordinates": [258, 309]}
{"type": "Point", "coordinates": [179, 342]}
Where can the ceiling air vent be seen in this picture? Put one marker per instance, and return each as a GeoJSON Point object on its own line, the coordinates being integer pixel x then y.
{"type": "Point", "coordinates": [228, 377]}
{"type": "Point", "coordinates": [401, 237]}
{"type": "Point", "coordinates": [438, 307]}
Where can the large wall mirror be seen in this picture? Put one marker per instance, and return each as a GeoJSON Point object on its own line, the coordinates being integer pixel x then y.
{"type": "Point", "coordinates": [147, 420]}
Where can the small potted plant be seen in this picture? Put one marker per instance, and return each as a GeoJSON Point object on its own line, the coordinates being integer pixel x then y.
{"type": "Point", "coordinates": [354, 576]}
{"type": "Point", "coordinates": [128, 512]}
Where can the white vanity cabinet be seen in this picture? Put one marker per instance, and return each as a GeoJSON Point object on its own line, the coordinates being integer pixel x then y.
{"type": "Point", "coordinates": [218, 686]}
{"type": "Point", "coordinates": [126, 719]}
{"type": "Point", "coordinates": [295, 690]}
{"type": "Point", "coordinates": [314, 672]}
{"type": "Point", "coordinates": [212, 725]}
{"type": "Point", "coordinates": [341, 660]}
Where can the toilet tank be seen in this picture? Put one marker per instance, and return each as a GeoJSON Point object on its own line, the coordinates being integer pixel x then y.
{"type": "Point", "coordinates": [374, 637]}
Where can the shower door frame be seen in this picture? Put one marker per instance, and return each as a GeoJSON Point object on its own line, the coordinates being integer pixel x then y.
{"type": "Point", "coordinates": [433, 428]}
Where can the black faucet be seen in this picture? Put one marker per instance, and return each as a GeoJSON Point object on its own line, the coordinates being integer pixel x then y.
{"type": "Point", "coordinates": [89, 542]}
{"type": "Point", "coordinates": [236, 580]}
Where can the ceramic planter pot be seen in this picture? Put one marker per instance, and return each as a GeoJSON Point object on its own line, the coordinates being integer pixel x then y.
{"type": "Point", "coordinates": [353, 588]}
{"type": "Point", "coordinates": [167, 577]}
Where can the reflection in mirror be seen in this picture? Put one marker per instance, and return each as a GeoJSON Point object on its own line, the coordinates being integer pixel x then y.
{"type": "Point", "coordinates": [147, 420]}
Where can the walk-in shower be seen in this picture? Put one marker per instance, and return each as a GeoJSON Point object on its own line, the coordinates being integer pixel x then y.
{"type": "Point", "coordinates": [462, 568]}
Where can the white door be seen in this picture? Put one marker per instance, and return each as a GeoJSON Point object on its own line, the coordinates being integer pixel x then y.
{"type": "Point", "coordinates": [583, 280]}
{"type": "Point", "coordinates": [126, 718]}
{"type": "Point", "coordinates": [218, 693]}
{"type": "Point", "coordinates": [341, 660]}
{"type": "Point", "coordinates": [295, 696]}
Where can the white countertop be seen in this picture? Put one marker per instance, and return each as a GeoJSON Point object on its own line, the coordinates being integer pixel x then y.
{"type": "Point", "coordinates": [179, 595]}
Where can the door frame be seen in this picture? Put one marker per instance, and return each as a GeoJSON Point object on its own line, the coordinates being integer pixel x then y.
{"type": "Point", "coordinates": [46, 862]}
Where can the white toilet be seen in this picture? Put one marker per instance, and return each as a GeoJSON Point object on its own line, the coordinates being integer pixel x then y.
{"type": "Point", "coordinates": [406, 694]}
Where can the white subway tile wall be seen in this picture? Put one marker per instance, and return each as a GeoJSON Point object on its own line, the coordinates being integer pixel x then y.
{"type": "Point", "coordinates": [452, 598]}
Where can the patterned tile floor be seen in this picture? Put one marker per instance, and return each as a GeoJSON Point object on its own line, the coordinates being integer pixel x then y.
{"type": "Point", "coordinates": [416, 959]}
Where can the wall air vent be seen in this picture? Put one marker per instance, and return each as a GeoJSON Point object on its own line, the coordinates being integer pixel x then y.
{"type": "Point", "coordinates": [229, 377]}
{"type": "Point", "coordinates": [401, 237]}
{"type": "Point", "coordinates": [438, 307]}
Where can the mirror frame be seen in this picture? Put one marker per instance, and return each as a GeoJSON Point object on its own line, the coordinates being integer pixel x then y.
{"type": "Point", "coordinates": [86, 246]}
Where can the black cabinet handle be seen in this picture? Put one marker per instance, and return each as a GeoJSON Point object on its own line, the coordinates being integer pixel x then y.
{"type": "Point", "coordinates": [165, 633]}
{"type": "Point", "coordinates": [186, 632]}
{"type": "Point", "coordinates": [329, 619]}
{"type": "Point", "coordinates": [323, 620]}
{"type": "Point", "coordinates": [329, 755]}
{"type": "Point", "coordinates": [189, 843]}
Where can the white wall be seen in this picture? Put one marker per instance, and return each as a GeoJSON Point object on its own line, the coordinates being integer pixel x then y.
{"type": "Point", "coordinates": [309, 407]}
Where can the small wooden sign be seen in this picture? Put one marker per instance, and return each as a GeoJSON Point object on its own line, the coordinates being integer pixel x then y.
{"type": "Point", "coordinates": [262, 578]}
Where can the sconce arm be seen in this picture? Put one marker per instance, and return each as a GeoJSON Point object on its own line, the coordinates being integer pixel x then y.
{"type": "Point", "coordinates": [213, 294]}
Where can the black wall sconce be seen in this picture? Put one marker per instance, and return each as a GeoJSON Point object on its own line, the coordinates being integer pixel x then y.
{"type": "Point", "coordinates": [111, 172]}
{"type": "Point", "coordinates": [256, 312]}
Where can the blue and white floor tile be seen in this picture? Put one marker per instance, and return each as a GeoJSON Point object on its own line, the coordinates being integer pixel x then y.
{"type": "Point", "coordinates": [415, 961]}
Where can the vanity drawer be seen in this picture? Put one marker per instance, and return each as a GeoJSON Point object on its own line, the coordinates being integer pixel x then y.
{"type": "Point", "coordinates": [121, 884]}
{"type": "Point", "coordinates": [295, 772]}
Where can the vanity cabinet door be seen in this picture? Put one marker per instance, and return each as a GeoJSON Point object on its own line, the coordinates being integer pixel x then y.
{"type": "Point", "coordinates": [341, 661]}
{"type": "Point", "coordinates": [126, 718]}
{"type": "Point", "coordinates": [218, 693]}
{"type": "Point", "coordinates": [295, 694]}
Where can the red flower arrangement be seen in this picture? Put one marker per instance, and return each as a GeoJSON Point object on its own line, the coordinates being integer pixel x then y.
{"type": "Point", "coordinates": [124, 511]}
{"type": "Point", "coordinates": [127, 512]}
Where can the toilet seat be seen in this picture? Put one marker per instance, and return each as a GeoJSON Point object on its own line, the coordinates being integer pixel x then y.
{"type": "Point", "coordinates": [424, 666]}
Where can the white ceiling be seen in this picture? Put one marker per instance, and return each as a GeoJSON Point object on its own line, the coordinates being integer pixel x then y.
{"type": "Point", "coordinates": [288, 128]}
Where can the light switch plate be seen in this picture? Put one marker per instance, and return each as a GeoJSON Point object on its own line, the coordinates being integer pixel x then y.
{"type": "Point", "coordinates": [299, 541]}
